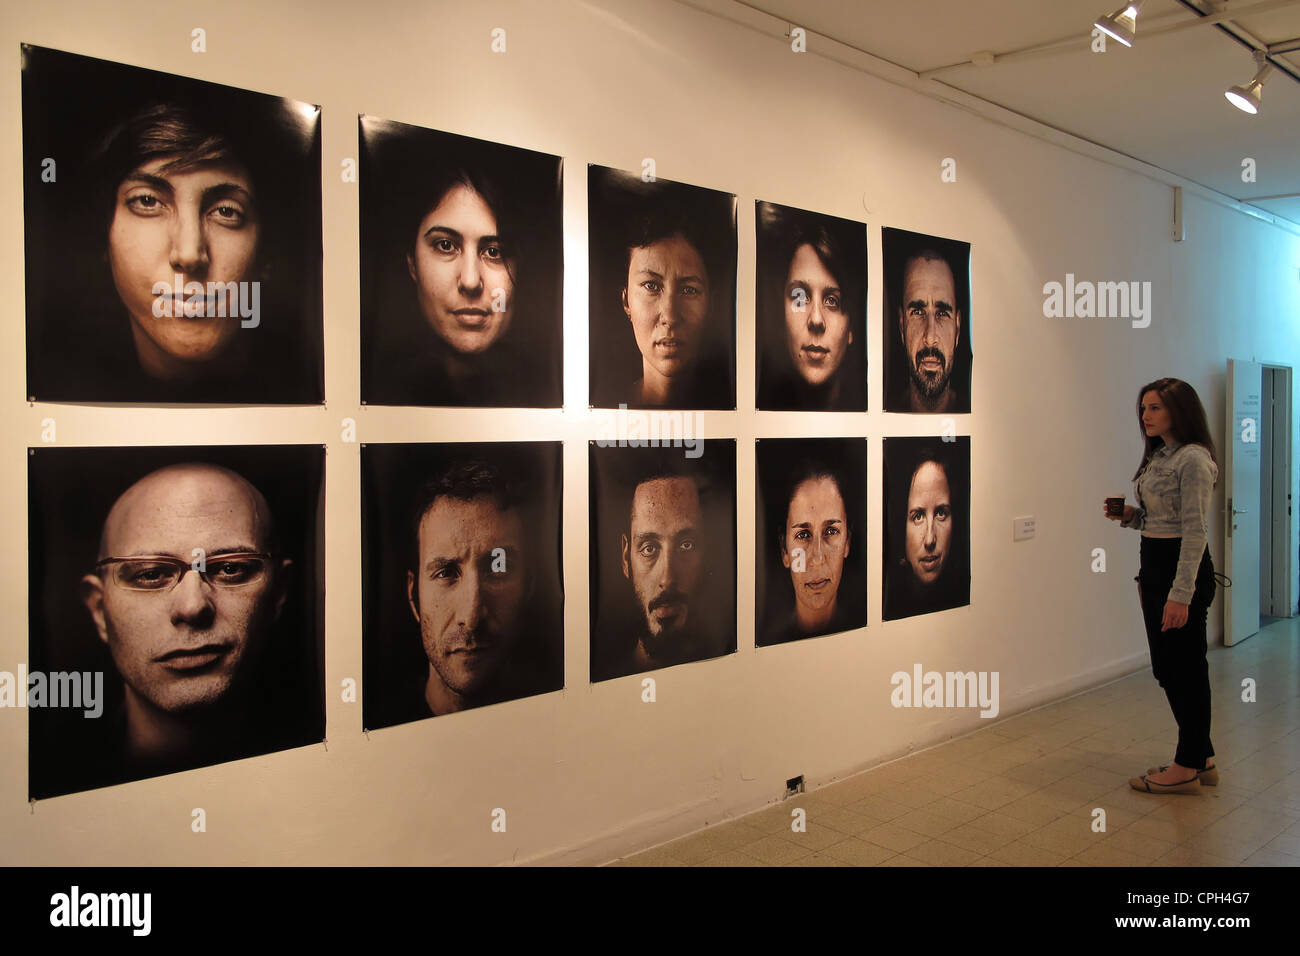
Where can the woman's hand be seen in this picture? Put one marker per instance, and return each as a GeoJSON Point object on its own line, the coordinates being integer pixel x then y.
{"type": "Point", "coordinates": [1175, 616]}
{"type": "Point", "coordinates": [1129, 511]}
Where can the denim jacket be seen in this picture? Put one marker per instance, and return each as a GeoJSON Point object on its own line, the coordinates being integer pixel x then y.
{"type": "Point", "coordinates": [1173, 497]}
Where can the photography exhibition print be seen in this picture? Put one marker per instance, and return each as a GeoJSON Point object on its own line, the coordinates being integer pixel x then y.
{"type": "Point", "coordinates": [927, 525]}
{"type": "Point", "coordinates": [462, 270]}
{"type": "Point", "coordinates": [663, 555]}
{"type": "Point", "coordinates": [811, 310]}
{"type": "Point", "coordinates": [927, 323]}
{"type": "Point", "coordinates": [463, 592]}
{"type": "Point", "coordinates": [173, 238]}
{"type": "Point", "coordinates": [176, 609]}
{"type": "Point", "coordinates": [662, 292]}
{"type": "Point", "coordinates": [810, 531]}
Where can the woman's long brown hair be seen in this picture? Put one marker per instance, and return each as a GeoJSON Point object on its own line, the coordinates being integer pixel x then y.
{"type": "Point", "coordinates": [1187, 418]}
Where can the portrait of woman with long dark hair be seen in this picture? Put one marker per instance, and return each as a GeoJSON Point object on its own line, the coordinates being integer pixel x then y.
{"type": "Point", "coordinates": [927, 525]}
{"type": "Point", "coordinates": [461, 271]}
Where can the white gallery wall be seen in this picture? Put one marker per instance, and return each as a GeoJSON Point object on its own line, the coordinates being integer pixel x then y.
{"type": "Point", "coordinates": [591, 771]}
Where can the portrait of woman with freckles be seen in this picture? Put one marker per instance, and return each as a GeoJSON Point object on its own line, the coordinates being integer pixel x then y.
{"type": "Point", "coordinates": [927, 525]}
{"type": "Point", "coordinates": [461, 270]}
{"type": "Point", "coordinates": [810, 294]}
{"type": "Point", "coordinates": [662, 302]}
{"type": "Point", "coordinates": [810, 574]}
{"type": "Point", "coordinates": [173, 238]}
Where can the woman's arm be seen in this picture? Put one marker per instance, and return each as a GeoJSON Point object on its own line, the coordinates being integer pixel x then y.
{"type": "Point", "coordinates": [1196, 474]}
{"type": "Point", "coordinates": [1138, 519]}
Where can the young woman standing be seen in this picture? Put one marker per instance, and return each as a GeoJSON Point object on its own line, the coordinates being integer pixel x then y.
{"type": "Point", "coordinates": [1173, 485]}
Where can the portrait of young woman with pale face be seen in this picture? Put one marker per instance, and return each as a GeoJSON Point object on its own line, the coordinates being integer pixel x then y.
{"type": "Point", "coordinates": [811, 297]}
{"type": "Point", "coordinates": [461, 270]}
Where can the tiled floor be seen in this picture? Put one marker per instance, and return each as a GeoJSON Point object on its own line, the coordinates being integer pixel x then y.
{"type": "Point", "coordinates": [1023, 791]}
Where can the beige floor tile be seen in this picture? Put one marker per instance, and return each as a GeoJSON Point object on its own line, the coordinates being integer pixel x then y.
{"type": "Point", "coordinates": [999, 824]}
{"type": "Point", "coordinates": [659, 856]}
{"type": "Point", "coordinates": [846, 821]}
{"type": "Point", "coordinates": [956, 810]}
{"type": "Point", "coordinates": [1170, 831]}
{"type": "Point", "coordinates": [1062, 800]}
{"type": "Point", "coordinates": [775, 850]}
{"type": "Point", "coordinates": [696, 849]}
{"type": "Point", "coordinates": [1185, 856]}
{"type": "Point", "coordinates": [1032, 809]}
{"type": "Point", "coordinates": [893, 837]}
{"type": "Point", "coordinates": [857, 852]}
{"type": "Point", "coordinates": [880, 808]}
{"type": "Point", "coordinates": [1067, 836]}
{"type": "Point", "coordinates": [815, 837]}
{"type": "Point", "coordinates": [1266, 857]}
{"type": "Point", "coordinates": [1141, 845]}
{"type": "Point", "coordinates": [912, 795]}
{"type": "Point", "coordinates": [1024, 854]}
{"type": "Point", "coordinates": [946, 784]}
{"type": "Point", "coordinates": [939, 853]}
{"type": "Point", "coordinates": [732, 858]}
{"type": "Point", "coordinates": [818, 859]}
{"type": "Point", "coordinates": [903, 860]}
{"type": "Point", "coordinates": [1105, 855]}
{"type": "Point", "coordinates": [1251, 823]}
{"type": "Point", "coordinates": [1036, 773]}
{"type": "Point", "coordinates": [1228, 848]}
{"type": "Point", "coordinates": [926, 823]}
{"type": "Point", "coordinates": [994, 793]}
{"type": "Point", "coordinates": [1285, 843]}
{"type": "Point", "coordinates": [971, 837]}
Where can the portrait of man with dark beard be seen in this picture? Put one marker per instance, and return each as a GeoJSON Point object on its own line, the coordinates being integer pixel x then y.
{"type": "Point", "coordinates": [927, 324]}
{"type": "Point", "coordinates": [663, 557]}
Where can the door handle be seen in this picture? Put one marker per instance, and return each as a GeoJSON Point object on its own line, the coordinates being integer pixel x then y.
{"type": "Point", "coordinates": [1240, 511]}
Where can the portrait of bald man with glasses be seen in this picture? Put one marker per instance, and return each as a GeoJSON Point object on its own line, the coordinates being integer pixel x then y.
{"type": "Point", "coordinates": [186, 583]}
{"type": "Point", "coordinates": [186, 592]}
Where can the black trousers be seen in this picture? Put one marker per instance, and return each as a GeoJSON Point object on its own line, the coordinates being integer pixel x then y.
{"type": "Point", "coordinates": [1178, 655]}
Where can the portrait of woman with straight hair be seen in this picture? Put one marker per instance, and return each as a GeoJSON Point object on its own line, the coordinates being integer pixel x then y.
{"type": "Point", "coordinates": [1173, 486]}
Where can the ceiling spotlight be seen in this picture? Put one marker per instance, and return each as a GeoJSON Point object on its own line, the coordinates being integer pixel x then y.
{"type": "Point", "coordinates": [1122, 24]}
{"type": "Point", "coordinates": [1246, 98]}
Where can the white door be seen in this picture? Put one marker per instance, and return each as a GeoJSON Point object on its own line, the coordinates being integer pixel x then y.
{"type": "Point", "coordinates": [1241, 498]}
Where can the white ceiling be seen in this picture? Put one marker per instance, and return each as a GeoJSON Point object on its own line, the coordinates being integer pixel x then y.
{"type": "Point", "coordinates": [1161, 101]}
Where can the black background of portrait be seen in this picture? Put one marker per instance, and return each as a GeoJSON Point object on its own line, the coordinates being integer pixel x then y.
{"type": "Point", "coordinates": [779, 462]}
{"type": "Point", "coordinates": [616, 203]}
{"type": "Point", "coordinates": [616, 622]}
{"type": "Point", "coordinates": [79, 346]}
{"type": "Point", "coordinates": [66, 512]}
{"type": "Point", "coordinates": [901, 457]}
{"type": "Point", "coordinates": [896, 246]}
{"type": "Point", "coordinates": [398, 349]}
{"type": "Point", "coordinates": [778, 385]}
{"type": "Point", "coordinates": [394, 666]}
